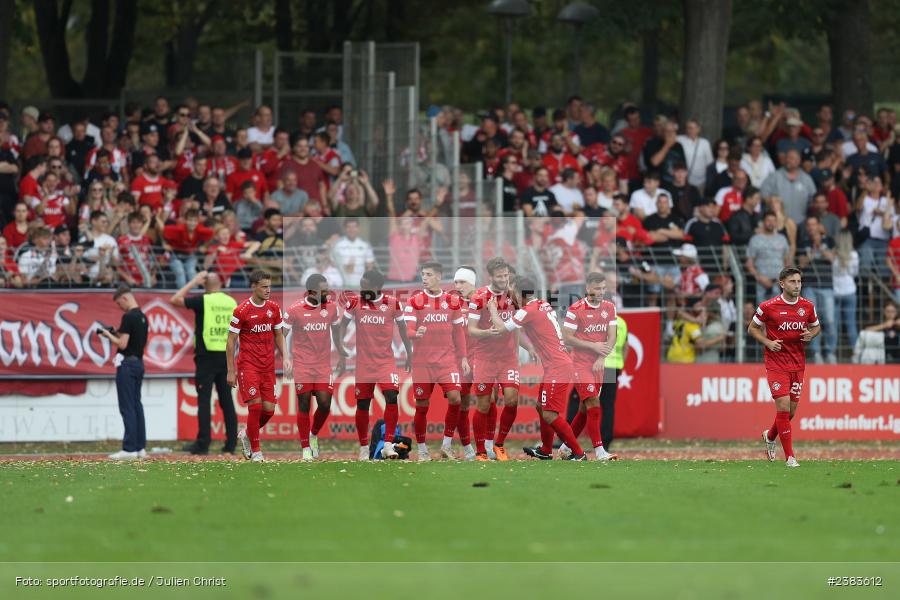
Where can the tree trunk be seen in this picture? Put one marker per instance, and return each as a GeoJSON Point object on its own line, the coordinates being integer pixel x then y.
{"type": "Point", "coordinates": [706, 27]}
{"type": "Point", "coordinates": [849, 33]}
{"type": "Point", "coordinates": [8, 10]}
{"type": "Point", "coordinates": [284, 25]}
{"type": "Point", "coordinates": [97, 41]}
{"type": "Point", "coordinates": [181, 49]}
{"type": "Point", "coordinates": [51, 29]}
{"type": "Point", "coordinates": [649, 67]}
{"type": "Point", "coordinates": [121, 47]}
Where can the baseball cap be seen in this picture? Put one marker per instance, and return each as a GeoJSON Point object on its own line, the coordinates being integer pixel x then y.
{"type": "Point", "coordinates": [45, 115]}
{"type": "Point", "coordinates": [559, 114]}
{"type": "Point", "coordinates": [686, 250]}
{"type": "Point", "coordinates": [707, 201]}
{"type": "Point", "coordinates": [794, 122]}
{"type": "Point", "coordinates": [60, 229]}
{"type": "Point", "coordinates": [245, 153]}
{"type": "Point", "coordinates": [31, 111]}
{"type": "Point", "coordinates": [217, 138]}
{"type": "Point", "coordinates": [149, 128]}
{"type": "Point", "coordinates": [825, 174]}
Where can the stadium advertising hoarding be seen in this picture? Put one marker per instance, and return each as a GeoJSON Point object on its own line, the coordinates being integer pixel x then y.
{"type": "Point", "coordinates": [637, 407]}
{"type": "Point", "coordinates": [839, 402]}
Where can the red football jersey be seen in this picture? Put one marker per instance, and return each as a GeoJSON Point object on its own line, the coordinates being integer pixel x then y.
{"type": "Point", "coordinates": [54, 213]}
{"type": "Point", "coordinates": [590, 323]}
{"type": "Point", "coordinates": [501, 348]}
{"type": "Point", "coordinates": [257, 327]}
{"type": "Point", "coordinates": [133, 250]}
{"type": "Point", "coordinates": [310, 326]}
{"type": "Point", "coordinates": [444, 342]}
{"type": "Point", "coordinates": [539, 321]}
{"type": "Point", "coordinates": [786, 321]}
{"type": "Point", "coordinates": [221, 166]}
{"type": "Point", "coordinates": [374, 329]}
{"type": "Point", "coordinates": [149, 190]}
{"type": "Point", "coordinates": [234, 182]}
{"type": "Point", "coordinates": [470, 341]}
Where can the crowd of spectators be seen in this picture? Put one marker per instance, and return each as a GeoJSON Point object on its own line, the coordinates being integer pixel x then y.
{"type": "Point", "coordinates": [151, 198]}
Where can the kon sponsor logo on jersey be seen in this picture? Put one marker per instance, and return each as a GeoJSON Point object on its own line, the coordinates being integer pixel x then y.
{"type": "Point", "coordinates": [372, 320]}
{"type": "Point", "coordinates": [315, 327]}
{"type": "Point", "coordinates": [436, 318]}
{"type": "Point", "coordinates": [792, 326]}
{"type": "Point", "coordinates": [262, 328]}
{"type": "Point", "coordinates": [598, 327]}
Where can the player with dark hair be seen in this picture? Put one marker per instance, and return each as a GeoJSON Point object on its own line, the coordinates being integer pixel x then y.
{"type": "Point", "coordinates": [537, 318]}
{"type": "Point", "coordinates": [589, 330]}
{"type": "Point", "coordinates": [435, 322]}
{"type": "Point", "coordinates": [376, 314]}
{"type": "Point", "coordinates": [496, 359]}
{"type": "Point", "coordinates": [314, 323]}
{"type": "Point", "coordinates": [784, 325]}
{"type": "Point", "coordinates": [255, 324]}
{"type": "Point", "coordinates": [464, 283]}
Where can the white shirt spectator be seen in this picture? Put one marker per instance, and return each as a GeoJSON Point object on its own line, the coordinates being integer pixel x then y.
{"type": "Point", "coordinates": [641, 200]}
{"type": "Point", "coordinates": [255, 135]}
{"type": "Point", "coordinates": [37, 263]}
{"type": "Point", "coordinates": [868, 218]}
{"type": "Point", "coordinates": [567, 198]}
{"type": "Point", "coordinates": [92, 254]}
{"type": "Point", "coordinates": [351, 257]}
{"type": "Point", "coordinates": [65, 134]}
{"type": "Point", "coordinates": [604, 200]}
{"type": "Point", "coordinates": [698, 155]}
{"type": "Point", "coordinates": [844, 278]}
{"type": "Point", "coordinates": [848, 148]}
{"type": "Point", "coordinates": [757, 169]}
{"type": "Point", "coordinates": [331, 273]}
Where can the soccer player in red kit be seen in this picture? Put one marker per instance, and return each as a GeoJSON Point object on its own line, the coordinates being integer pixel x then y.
{"type": "Point", "coordinates": [464, 284]}
{"type": "Point", "coordinates": [496, 353]}
{"type": "Point", "coordinates": [590, 331]}
{"type": "Point", "coordinates": [255, 324]}
{"type": "Point", "coordinates": [376, 314]}
{"type": "Point", "coordinates": [314, 324]}
{"type": "Point", "coordinates": [537, 318]}
{"type": "Point", "coordinates": [435, 322]}
{"type": "Point", "coordinates": [784, 325]}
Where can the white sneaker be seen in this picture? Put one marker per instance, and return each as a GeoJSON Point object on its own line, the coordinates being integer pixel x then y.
{"type": "Point", "coordinates": [468, 452]}
{"type": "Point", "coordinates": [447, 452]}
{"type": "Point", "coordinates": [363, 453]}
{"type": "Point", "coordinates": [123, 455]}
{"type": "Point", "coordinates": [791, 462]}
{"type": "Point", "coordinates": [245, 443]}
{"type": "Point", "coordinates": [602, 455]}
{"type": "Point", "coordinates": [388, 451]}
{"type": "Point", "coordinates": [817, 358]}
{"type": "Point", "coordinates": [491, 454]}
{"type": "Point", "coordinates": [770, 445]}
{"type": "Point", "coordinates": [142, 453]}
{"type": "Point", "coordinates": [307, 455]}
{"type": "Point", "coordinates": [314, 445]}
{"type": "Point", "coordinates": [424, 456]}
{"type": "Point", "coordinates": [564, 452]}
{"type": "Point", "coordinates": [831, 359]}
{"type": "Point", "coordinates": [257, 457]}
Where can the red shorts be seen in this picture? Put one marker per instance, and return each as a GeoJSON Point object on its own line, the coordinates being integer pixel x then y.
{"type": "Point", "coordinates": [387, 378]}
{"type": "Point", "coordinates": [313, 378]}
{"type": "Point", "coordinates": [256, 384]}
{"type": "Point", "coordinates": [425, 377]}
{"type": "Point", "coordinates": [587, 383]}
{"type": "Point", "coordinates": [785, 383]}
{"type": "Point", "coordinates": [554, 394]}
{"type": "Point", "coordinates": [486, 374]}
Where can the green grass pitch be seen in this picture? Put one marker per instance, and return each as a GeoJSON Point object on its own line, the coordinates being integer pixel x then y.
{"type": "Point", "coordinates": [461, 518]}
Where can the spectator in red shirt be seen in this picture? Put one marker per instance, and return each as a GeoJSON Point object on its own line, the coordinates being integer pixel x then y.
{"type": "Point", "coordinates": [137, 268]}
{"type": "Point", "coordinates": [269, 162]}
{"type": "Point", "coordinates": [636, 133]}
{"type": "Point", "coordinates": [29, 188]}
{"type": "Point", "coordinates": [227, 256]}
{"type": "Point", "coordinates": [628, 226]}
{"type": "Point", "coordinates": [326, 157]}
{"type": "Point", "coordinates": [837, 199]}
{"type": "Point", "coordinates": [518, 146]}
{"type": "Point", "coordinates": [147, 188]}
{"type": "Point", "coordinates": [36, 144]}
{"type": "Point", "coordinates": [310, 177]}
{"type": "Point", "coordinates": [524, 177]}
{"type": "Point", "coordinates": [561, 128]}
{"type": "Point", "coordinates": [16, 231]}
{"type": "Point", "coordinates": [9, 270]}
{"type": "Point", "coordinates": [185, 239]}
{"type": "Point", "coordinates": [245, 172]}
{"type": "Point", "coordinates": [220, 164]}
{"type": "Point", "coordinates": [559, 159]}
{"type": "Point", "coordinates": [55, 207]}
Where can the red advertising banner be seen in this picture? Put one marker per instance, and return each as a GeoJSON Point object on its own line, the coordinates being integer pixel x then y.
{"type": "Point", "coordinates": [637, 405]}
{"type": "Point", "coordinates": [724, 402]}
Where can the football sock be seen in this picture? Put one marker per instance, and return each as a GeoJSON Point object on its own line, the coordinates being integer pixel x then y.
{"type": "Point", "coordinates": [303, 428]}
{"type": "Point", "coordinates": [479, 424]}
{"type": "Point", "coordinates": [362, 426]}
{"type": "Point", "coordinates": [772, 435]}
{"type": "Point", "coordinates": [562, 429]}
{"type": "Point", "coordinates": [450, 421]}
{"type": "Point", "coordinates": [253, 414]}
{"type": "Point", "coordinates": [491, 424]}
{"type": "Point", "coordinates": [391, 415]}
{"type": "Point", "coordinates": [593, 426]}
{"type": "Point", "coordinates": [507, 418]}
{"type": "Point", "coordinates": [420, 423]}
{"type": "Point", "coordinates": [319, 418]}
{"type": "Point", "coordinates": [579, 422]}
{"type": "Point", "coordinates": [783, 420]}
{"type": "Point", "coordinates": [462, 427]}
{"type": "Point", "coordinates": [264, 417]}
{"type": "Point", "coordinates": [423, 449]}
{"type": "Point", "coordinates": [546, 436]}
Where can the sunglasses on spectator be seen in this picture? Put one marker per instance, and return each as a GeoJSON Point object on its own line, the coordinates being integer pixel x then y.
{"type": "Point", "coordinates": [617, 143]}
{"type": "Point", "coordinates": [184, 114]}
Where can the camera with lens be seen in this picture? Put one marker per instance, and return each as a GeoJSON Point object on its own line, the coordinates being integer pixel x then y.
{"type": "Point", "coordinates": [103, 327]}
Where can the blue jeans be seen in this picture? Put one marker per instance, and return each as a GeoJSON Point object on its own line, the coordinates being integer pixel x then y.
{"type": "Point", "coordinates": [824, 301]}
{"type": "Point", "coordinates": [129, 377]}
{"type": "Point", "coordinates": [763, 293]}
{"type": "Point", "coordinates": [846, 315]}
{"type": "Point", "coordinates": [873, 258]}
{"type": "Point", "coordinates": [184, 267]}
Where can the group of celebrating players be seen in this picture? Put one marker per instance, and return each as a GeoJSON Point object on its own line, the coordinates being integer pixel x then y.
{"type": "Point", "coordinates": [465, 341]}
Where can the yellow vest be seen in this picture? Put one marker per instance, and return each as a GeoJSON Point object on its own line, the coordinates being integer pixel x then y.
{"type": "Point", "coordinates": [217, 310]}
{"type": "Point", "coordinates": [616, 358]}
{"type": "Point", "coordinates": [682, 349]}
